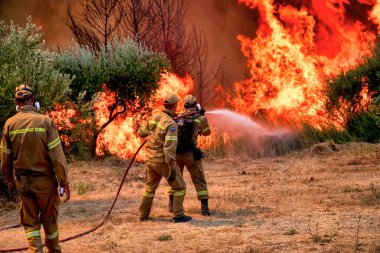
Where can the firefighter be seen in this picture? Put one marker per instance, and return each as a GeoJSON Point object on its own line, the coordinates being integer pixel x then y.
{"type": "Point", "coordinates": [161, 132]}
{"type": "Point", "coordinates": [188, 154]}
{"type": "Point", "coordinates": [32, 159]}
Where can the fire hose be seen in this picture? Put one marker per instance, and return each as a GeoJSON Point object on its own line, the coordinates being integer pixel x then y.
{"type": "Point", "coordinates": [108, 212]}
{"type": "Point", "coordinates": [105, 217]}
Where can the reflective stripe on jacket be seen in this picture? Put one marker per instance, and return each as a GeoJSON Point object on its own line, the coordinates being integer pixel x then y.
{"type": "Point", "coordinates": [162, 137]}
{"type": "Point", "coordinates": [30, 141]}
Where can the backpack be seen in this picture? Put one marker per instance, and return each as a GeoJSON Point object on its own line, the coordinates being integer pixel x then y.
{"type": "Point", "coordinates": [185, 134]}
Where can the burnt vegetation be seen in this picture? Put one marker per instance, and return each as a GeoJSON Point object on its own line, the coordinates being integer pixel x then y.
{"type": "Point", "coordinates": [122, 48]}
{"type": "Point", "coordinates": [154, 24]}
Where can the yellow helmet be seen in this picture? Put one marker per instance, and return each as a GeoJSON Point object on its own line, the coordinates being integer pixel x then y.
{"type": "Point", "coordinates": [190, 101]}
{"type": "Point", "coordinates": [23, 91]}
{"type": "Point", "coordinates": [170, 99]}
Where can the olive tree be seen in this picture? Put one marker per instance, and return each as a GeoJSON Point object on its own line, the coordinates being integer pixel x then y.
{"type": "Point", "coordinates": [24, 60]}
{"type": "Point", "coordinates": [128, 71]}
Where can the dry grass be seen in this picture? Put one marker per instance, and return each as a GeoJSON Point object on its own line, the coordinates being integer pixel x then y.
{"type": "Point", "coordinates": [318, 200]}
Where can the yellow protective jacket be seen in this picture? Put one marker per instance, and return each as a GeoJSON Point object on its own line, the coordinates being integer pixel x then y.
{"type": "Point", "coordinates": [201, 126]}
{"type": "Point", "coordinates": [162, 137]}
{"type": "Point", "coordinates": [30, 142]}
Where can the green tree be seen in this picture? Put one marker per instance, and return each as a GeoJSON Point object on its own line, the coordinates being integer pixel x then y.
{"type": "Point", "coordinates": [363, 122]}
{"type": "Point", "coordinates": [127, 70]}
{"type": "Point", "coordinates": [348, 85]}
{"type": "Point", "coordinates": [24, 60]}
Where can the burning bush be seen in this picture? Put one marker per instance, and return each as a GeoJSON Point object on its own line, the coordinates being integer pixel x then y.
{"type": "Point", "coordinates": [114, 83]}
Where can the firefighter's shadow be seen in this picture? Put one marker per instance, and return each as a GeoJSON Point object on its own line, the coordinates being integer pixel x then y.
{"type": "Point", "coordinates": [215, 222]}
{"type": "Point", "coordinates": [203, 222]}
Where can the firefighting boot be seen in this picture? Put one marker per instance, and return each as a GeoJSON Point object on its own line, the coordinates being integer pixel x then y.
{"type": "Point", "coordinates": [183, 218]}
{"type": "Point", "coordinates": [170, 205]}
{"type": "Point", "coordinates": [35, 244]}
{"type": "Point", "coordinates": [204, 207]}
{"type": "Point", "coordinates": [52, 246]}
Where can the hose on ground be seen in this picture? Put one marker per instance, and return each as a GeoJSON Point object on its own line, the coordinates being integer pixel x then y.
{"type": "Point", "coordinates": [109, 210]}
{"type": "Point", "coordinates": [97, 226]}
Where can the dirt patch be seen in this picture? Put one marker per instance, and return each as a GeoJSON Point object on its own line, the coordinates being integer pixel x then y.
{"type": "Point", "coordinates": [328, 201]}
{"type": "Point", "coordinates": [323, 148]}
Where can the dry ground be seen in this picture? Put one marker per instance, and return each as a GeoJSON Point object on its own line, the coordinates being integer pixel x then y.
{"type": "Point", "coordinates": [317, 200]}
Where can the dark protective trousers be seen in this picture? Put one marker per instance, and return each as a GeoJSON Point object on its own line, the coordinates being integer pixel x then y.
{"type": "Point", "coordinates": [196, 171]}
{"type": "Point", "coordinates": [154, 173]}
{"type": "Point", "coordinates": [39, 202]}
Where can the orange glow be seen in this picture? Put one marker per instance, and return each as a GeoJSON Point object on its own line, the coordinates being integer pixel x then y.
{"type": "Point", "coordinates": [293, 53]}
{"type": "Point", "coordinates": [119, 138]}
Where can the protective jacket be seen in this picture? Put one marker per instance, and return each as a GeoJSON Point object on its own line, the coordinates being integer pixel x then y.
{"type": "Point", "coordinates": [194, 166]}
{"type": "Point", "coordinates": [201, 126]}
{"type": "Point", "coordinates": [162, 137]}
{"type": "Point", "coordinates": [30, 143]}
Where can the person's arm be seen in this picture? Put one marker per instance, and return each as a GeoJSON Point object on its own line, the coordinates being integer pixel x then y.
{"type": "Point", "coordinates": [56, 153]}
{"type": "Point", "coordinates": [171, 142]}
{"type": "Point", "coordinates": [170, 149]}
{"type": "Point", "coordinates": [7, 158]}
{"type": "Point", "coordinates": [205, 129]}
{"type": "Point", "coordinates": [143, 130]}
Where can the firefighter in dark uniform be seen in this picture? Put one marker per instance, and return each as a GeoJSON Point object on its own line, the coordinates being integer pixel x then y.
{"type": "Point", "coordinates": [32, 153]}
{"type": "Point", "coordinates": [190, 155]}
{"type": "Point", "coordinates": [161, 132]}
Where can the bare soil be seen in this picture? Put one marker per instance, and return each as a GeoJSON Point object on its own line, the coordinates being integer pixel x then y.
{"type": "Point", "coordinates": [325, 199]}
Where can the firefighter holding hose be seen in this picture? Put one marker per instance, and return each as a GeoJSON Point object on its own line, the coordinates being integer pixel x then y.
{"type": "Point", "coordinates": [162, 137]}
{"type": "Point", "coordinates": [188, 154]}
{"type": "Point", "coordinates": [32, 153]}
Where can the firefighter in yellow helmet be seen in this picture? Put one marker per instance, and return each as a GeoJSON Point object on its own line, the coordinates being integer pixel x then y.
{"type": "Point", "coordinates": [188, 154]}
{"type": "Point", "coordinates": [161, 132]}
{"type": "Point", "coordinates": [32, 158]}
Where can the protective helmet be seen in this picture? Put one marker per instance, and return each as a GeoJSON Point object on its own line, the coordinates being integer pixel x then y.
{"type": "Point", "coordinates": [170, 99]}
{"type": "Point", "coordinates": [190, 101]}
{"type": "Point", "coordinates": [23, 92]}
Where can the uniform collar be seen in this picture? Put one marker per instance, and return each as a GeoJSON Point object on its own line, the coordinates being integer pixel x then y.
{"type": "Point", "coordinates": [171, 113]}
{"type": "Point", "coordinates": [28, 108]}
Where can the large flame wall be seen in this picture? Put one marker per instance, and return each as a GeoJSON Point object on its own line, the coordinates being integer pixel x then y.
{"type": "Point", "coordinates": [299, 44]}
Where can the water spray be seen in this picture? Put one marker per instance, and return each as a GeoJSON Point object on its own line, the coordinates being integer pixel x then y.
{"type": "Point", "coordinates": [236, 123]}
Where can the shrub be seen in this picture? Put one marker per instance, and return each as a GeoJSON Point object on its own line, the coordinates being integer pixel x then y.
{"type": "Point", "coordinates": [126, 71]}
{"type": "Point", "coordinates": [365, 126]}
{"type": "Point", "coordinates": [23, 60]}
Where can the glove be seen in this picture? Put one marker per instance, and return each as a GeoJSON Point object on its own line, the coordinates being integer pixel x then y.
{"type": "Point", "coordinates": [65, 190]}
{"type": "Point", "coordinates": [202, 112]}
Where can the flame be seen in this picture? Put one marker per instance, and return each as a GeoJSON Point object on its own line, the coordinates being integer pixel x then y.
{"type": "Point", "coordinates": [119, 138]}
{"type": "Point", "coordinates": [62, 116]}
{"type": "Point", "coordinates": [296, 48]}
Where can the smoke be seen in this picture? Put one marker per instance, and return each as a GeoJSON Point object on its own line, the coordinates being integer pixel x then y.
{"type": "Point", "coordinates": [50, 15]}
{"type": "Point", "coordinates": [222, 21]}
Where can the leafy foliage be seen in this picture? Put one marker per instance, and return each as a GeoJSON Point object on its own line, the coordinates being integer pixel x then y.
{"type": "Point", "coordinates": [365, 127]}
{"type": "Point", "coordinates": [125, 70]}
{"type": "Point", "coordinates": [348, 85]}
{"type": "Point", "coordinates": [23, 60]}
